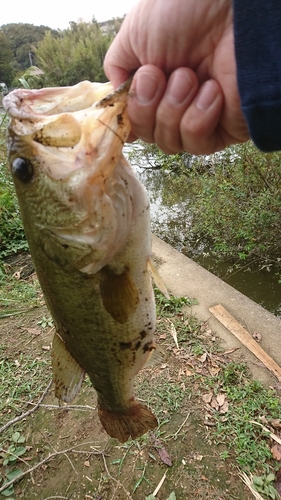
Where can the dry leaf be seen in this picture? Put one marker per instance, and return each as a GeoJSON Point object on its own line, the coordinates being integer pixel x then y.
{"type": "Point", "coordinates": [220, 399]}
{"type": "Point", "coordinates": [276, 451]}
{"type": "Point", "coordinates": [207, 398]}
{"type": "Point", "coordinates": [203, 357]}
{"type": "Point", "coordinates": [163, 454]}
{"type": "Point", "coordinates": [33, 331]}
{"type": "Point", "coordinates": [87, 463]}
{"type": "Point", "coordinates": [276, 423]}
{"type": "Point", "coordinates": [224, 408]}
{"type": "Point", "coordinates": [214, 404]}
{"type": "Point", "coordinates": [46, 347]}
{"type": "Point", "coordinates": [214, 370]}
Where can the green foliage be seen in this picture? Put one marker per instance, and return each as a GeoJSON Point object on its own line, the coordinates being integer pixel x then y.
{"type": "Point", "coordinates": [10, 454]}
{"type": "Point", "coordinates": [23, 39]}
{"type": "Point", "coordinates": [248, 402]}
{"type": "Point", "coordinates": [173, 305]}
{"type": "Point", "coordinates": [232, 201]}
{"type": "Point", "coordinates": [6, 70]}
{"type": "Point", "coordinates": [12, 237]}
{"type": "Point", "coordinates": [264, 485]}
{"type": "Point", "coordinates": [76, 55]}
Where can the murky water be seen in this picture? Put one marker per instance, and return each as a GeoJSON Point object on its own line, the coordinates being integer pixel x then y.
{"type": "Point", "coordinates": [171, 221]}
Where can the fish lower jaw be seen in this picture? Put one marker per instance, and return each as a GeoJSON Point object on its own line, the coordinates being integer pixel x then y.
{"type": "Point", "coordinates": [133, 422]}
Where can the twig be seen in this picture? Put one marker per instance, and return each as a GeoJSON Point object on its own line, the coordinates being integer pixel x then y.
{"type": "Point", "coordinates": [66, 407]}
{"type": "Point", "coordinates": [159, 484]}
{"type": "Point", "coordinates": [113, 479]}
{"type": "Point", "coordinates": [180, 428]}
{"type": "Point", "coordinates": [49, 457]}
{"type": "Point", "coordinates": [27, 413]}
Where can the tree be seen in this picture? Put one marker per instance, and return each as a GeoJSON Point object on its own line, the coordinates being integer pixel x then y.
{"type": "Point", "coordinates": [23, 39]}
{"type": "Point", "coordinates": [76, 54]}
{"type": "Point", "coordinates": [6, 57]}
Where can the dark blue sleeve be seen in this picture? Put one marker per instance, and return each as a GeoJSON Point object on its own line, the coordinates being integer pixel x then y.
{"type": "Point", "coordinates": [257, 30]}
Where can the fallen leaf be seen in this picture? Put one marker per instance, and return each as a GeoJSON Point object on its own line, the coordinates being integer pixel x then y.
{"type": "Point", "coordinates": [276, 423]}
{"type": "Point", "coordinates": [276, 451]}
{"type": "Point", "coordinates": [46, 347]}
{"type": "Point", "coordinates": [163, 454]}
{"type": "Point", "coordinates": [203, 357]}
{"type": "Point", "coordinates": [214, 370]}
{"type": "Point", "coordinates": [33, 331]}
{"type": "Point", "coordinates": [224, 408]}
{"type": "Point", "coordinates": [87, 463]}
{"type": "Point", "coordinates": [220, 399]}
{"type": "Point", "coordinates": [207, 398]}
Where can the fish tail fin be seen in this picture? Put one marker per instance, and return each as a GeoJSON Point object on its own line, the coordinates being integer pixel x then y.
{"type": "Point", "coordinates": [133, 423]}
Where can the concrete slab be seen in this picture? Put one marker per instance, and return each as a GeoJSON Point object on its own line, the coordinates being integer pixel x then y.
{"type": "Point", "coordinates": [183, 277]}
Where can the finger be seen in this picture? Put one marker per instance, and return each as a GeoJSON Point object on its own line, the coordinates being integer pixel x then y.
{"type": "Point", "coordinates": [147, 89]}
{"type": "Point", "coordinates": [199, 128]}
{"type": "Point", "coordinates": [180, 92]}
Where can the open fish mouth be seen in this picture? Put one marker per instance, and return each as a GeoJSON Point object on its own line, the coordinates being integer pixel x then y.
{"type": "Point", "coordinates": [67, 124]}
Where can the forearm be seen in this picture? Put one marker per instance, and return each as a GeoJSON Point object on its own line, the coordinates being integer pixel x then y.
{"type": "Point", "coordinates": [257, 27]}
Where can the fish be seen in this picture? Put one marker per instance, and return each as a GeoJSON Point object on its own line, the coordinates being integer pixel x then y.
{"type": "Point", "coordinates": [87, 223]}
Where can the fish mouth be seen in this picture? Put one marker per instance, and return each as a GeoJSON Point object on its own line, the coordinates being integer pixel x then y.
{"type": "Point", "coordinates": [70, 128]}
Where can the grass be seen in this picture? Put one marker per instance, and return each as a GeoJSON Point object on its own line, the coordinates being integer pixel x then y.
{"type": "Point", "coordinates": [175, 391]}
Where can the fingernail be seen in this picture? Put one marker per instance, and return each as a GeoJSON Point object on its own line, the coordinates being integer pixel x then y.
{"type": "Point", "coordinates": [178, 87]}
{"type": "Point", "coordinates": [146, 87]}
{"type": "Point", "coordinates": [206, 96]}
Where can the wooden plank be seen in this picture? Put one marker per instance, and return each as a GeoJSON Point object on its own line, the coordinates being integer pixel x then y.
{"type": "Point", "coordinates": [247, 340]}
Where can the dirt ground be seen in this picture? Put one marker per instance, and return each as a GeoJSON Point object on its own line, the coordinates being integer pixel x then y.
{"type": "Point", "coordinates": [69, 455]}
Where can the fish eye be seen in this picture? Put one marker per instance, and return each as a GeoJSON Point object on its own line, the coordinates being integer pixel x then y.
{"type": "Point", "coordinates": [22, 169]}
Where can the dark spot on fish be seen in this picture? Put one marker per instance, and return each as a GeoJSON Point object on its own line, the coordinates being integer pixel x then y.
{"type": "Point", "coordinates": [120, 119]}
{"type": "Point", "coordinates": [64, 245]}
{"type": "Point", "coordinates": [111, 105]}
{"type": "Point", "coordinates": [125, 345]}
{"type": "Point", "coordinates": [149, 346]}
{"type": "Point", "coordinates": [22, 169]}
{"type": "Point", "coordinates": [143, 334]}
{"type": "Point", "coordinates": [138, 344]}
{"type": "Point", "coordinates": [146, 299]}
{"type": "Point", "coordinates": [134, 358]}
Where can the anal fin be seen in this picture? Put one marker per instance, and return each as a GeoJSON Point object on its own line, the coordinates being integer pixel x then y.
{"type": "Point", "coordinates": [67, 373]}
{"type": "Point", "coordinates": [133, 423]}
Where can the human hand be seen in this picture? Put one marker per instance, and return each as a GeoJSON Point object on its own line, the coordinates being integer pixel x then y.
{"type": "Point", "coordinates": [184, 93]}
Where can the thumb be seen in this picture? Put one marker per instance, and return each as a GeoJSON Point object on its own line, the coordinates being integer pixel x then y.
{"type": "Point", "coordinates": [120, 60]}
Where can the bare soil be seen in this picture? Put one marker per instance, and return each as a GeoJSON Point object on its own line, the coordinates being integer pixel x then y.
{"type": "Point", "coordinates": [86, 463]}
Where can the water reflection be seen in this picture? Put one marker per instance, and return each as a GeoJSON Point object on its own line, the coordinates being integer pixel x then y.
{"type": "Point", "coordinates": [171, 221]}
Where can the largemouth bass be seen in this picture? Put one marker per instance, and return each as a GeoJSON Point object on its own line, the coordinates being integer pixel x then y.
{"type": "Point", "coordinates": [86, 218]}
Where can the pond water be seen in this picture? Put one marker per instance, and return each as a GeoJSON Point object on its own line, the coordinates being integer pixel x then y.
{"type": "Point", "coordinates": [171, 221]}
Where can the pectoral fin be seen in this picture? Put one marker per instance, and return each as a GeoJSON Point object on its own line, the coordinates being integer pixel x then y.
{"type": "Point", "coordinates": [67, 373]}
{"type": "Point", "coordinates": [119, 294]}
{"type": "Point", "coordinates": [157, 278]}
